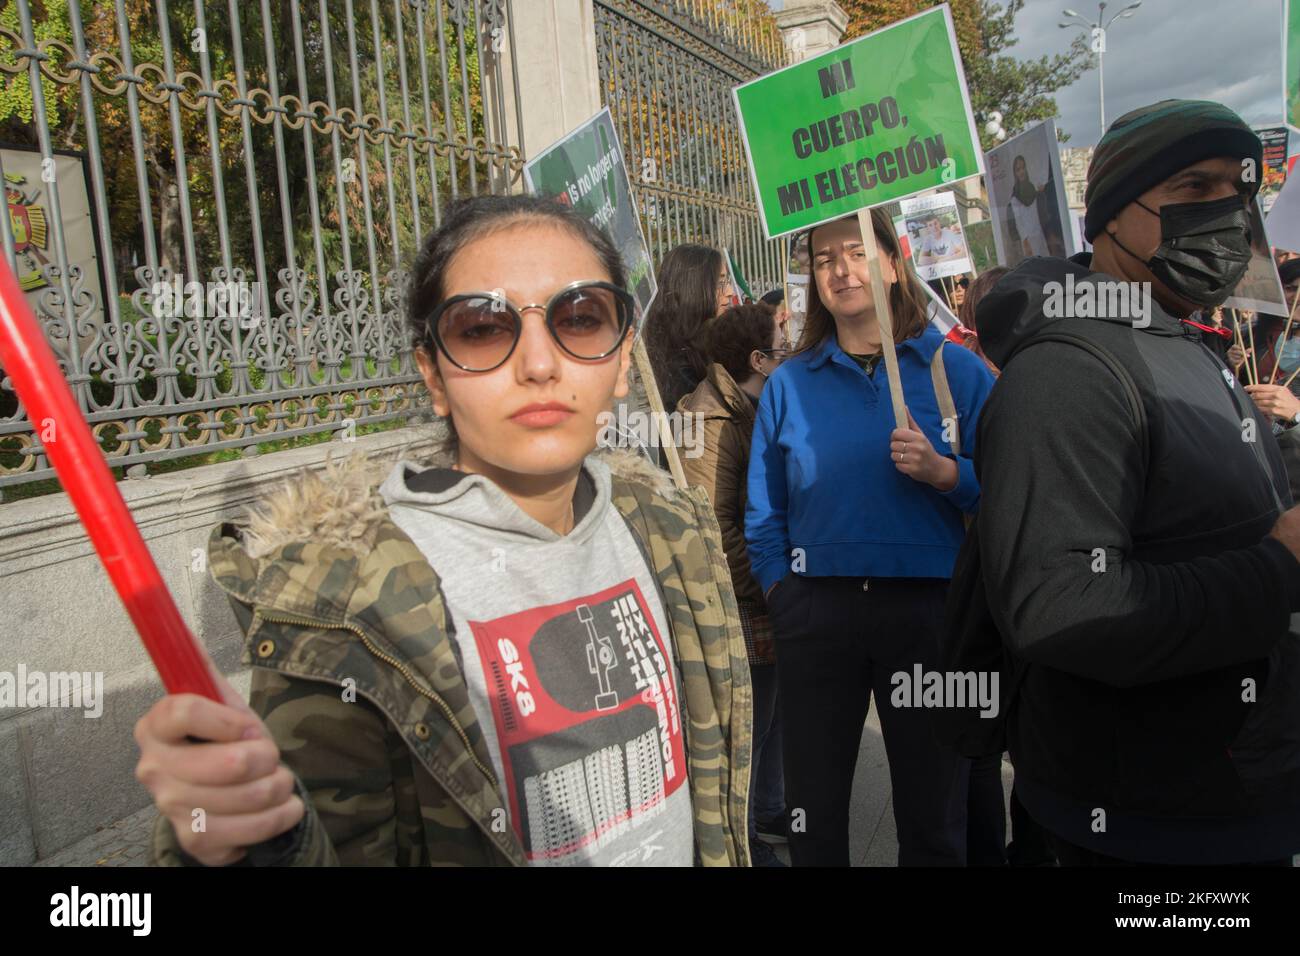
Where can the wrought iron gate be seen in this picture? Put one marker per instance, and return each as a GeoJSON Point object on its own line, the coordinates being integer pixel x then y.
{"type": "Point", "coordinates": [666, 70]}
{"type": "Point", "coordinates": [291, 154]}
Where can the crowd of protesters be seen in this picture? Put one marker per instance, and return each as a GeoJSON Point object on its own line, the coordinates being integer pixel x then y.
{"type": "Point", "coordinates": [1095, 511]}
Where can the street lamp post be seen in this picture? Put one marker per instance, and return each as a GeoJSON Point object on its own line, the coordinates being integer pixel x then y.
{"type": "Point", "coordinates": [1097, 30]}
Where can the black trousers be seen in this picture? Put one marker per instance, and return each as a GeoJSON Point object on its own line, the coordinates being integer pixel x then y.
{"type": "Point", "coordinates": [1030, 845]}
{"type": "Point", "coordinates": [837, 643]}
{"type": "Point", "coordinates": [986, 817]}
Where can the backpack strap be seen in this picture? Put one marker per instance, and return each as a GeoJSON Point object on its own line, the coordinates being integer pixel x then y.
{"type": "Point", "coordinates": [947, 408]}
{"type": "Point", "coordinates": [1131, 392]}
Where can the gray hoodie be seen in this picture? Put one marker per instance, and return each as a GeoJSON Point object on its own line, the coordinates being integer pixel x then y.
{"type": "Point", "coordinates": [564, 643]}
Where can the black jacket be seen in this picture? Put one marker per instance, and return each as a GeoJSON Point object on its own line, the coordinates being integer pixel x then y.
{"type": "Point", "coordinates": [1128, 449]}
{"type": "Point", "coordinates": [1289, 442]}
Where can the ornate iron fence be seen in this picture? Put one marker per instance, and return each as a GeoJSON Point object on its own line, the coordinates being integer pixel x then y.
{"type": "Point", "coordinates": [253, 177]}
{"type": "Point", "coordinates": [290, 154]}
{"type": "Point", "coordinates": [667, 68]}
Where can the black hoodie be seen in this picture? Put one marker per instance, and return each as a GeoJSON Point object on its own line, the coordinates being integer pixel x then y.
{"type": "Point", "coordinates": [1123, 534]}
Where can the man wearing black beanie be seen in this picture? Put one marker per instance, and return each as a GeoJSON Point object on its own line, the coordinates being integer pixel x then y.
{"type": "Point", "coordinates": [1136, 539]}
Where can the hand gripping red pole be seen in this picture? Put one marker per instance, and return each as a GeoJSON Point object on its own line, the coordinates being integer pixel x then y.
{"type": "Point", "coordinates": [27, 359]}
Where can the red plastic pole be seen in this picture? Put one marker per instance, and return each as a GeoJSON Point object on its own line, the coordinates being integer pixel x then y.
{"type": "Point", "coordinates": [27, 359]}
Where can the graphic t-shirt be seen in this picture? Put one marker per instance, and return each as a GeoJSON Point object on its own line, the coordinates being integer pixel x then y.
{"type": "Point", "coordinates": [944, 244]}
{"type": "Point", "coordinates": [567, 655]}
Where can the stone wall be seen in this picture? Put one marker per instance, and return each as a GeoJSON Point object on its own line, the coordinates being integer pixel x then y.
{"type": "Point", "coordinates": [63, 774]}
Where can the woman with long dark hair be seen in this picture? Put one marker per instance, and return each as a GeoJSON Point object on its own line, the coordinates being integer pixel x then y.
{"type": "Point", "coordinates": [1023, 209]}
{"type": "Point", "coordinates": [694, 286]}
{"type": "Point", "coordinates": [521, 654]}
{"type": "Point", "coordinates": [853, 527]}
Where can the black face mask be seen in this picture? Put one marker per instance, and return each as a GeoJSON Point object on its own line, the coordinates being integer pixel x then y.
{"type": "Point", "coordinates": [1204, 249]}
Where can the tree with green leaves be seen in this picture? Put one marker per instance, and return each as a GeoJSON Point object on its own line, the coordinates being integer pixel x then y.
{"type": "Point", "coordinates": [63, 110]}
{"type": "Point", "coordinates": [1021, 90]}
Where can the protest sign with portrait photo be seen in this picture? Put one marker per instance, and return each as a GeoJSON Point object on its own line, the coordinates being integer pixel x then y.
{"type": "Point", "coordinates": [1031, 214]}
{"type": "Point", "coordinates": [934, 236]}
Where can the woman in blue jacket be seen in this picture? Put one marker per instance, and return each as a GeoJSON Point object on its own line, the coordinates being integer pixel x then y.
{"type": "Point", "coordinates": [853, 528]}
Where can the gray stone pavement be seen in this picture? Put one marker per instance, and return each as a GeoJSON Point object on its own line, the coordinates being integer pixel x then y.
{"type": "Point", "coordinates": [124, 843]}
{"type": "Point", "coordinates": [873, 840]}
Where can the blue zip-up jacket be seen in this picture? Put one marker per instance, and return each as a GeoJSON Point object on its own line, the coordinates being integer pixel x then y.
{"type": "Point", "coordinates": [821, 478]}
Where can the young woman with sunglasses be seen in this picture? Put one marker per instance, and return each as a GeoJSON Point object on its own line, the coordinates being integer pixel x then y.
{"type": "Point", "coordinates": [524, 654]}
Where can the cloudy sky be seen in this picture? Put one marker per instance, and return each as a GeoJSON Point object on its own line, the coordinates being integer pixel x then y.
{"type": "Point", "coordinates": [1225, 50]}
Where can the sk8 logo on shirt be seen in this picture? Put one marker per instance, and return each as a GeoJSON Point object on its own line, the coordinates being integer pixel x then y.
{"type": "Point", "coordinates": [586, 712]}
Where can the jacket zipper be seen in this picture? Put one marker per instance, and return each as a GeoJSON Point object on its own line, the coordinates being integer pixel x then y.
{"type": "Point", "coordinates": [401, 669]}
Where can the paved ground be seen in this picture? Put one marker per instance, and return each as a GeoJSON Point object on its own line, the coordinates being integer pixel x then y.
{"type": "Point", "coordinates": [872, 836]}
{"type": "Point", "coordinates": [874, 842]}
{"type": "Point", "coordinates": [124, 843]}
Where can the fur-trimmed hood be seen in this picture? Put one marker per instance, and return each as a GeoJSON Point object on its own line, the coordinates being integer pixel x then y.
{"type": "Point", "coordinates": [340, 505]}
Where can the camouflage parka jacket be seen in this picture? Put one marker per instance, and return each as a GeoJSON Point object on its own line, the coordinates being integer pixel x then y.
{"type": "Point", "coordinates": [333, 596]}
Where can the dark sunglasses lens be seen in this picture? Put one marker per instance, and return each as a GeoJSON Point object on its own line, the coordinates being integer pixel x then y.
{"type": "Point", "coordinates": [478, 333]}
{"type": "Point", "coordinates": [588, 321]}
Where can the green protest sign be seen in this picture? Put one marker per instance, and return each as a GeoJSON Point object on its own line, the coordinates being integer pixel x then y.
{"type": "Point", "coordinates": [878, 119]}
{"type": "Point", "coordinates": [585, 170]}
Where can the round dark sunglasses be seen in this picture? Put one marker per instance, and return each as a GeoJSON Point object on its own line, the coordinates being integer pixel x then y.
{"type": "Point", "coordinates": [478, 331]}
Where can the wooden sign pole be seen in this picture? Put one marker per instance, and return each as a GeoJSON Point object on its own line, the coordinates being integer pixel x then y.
{"type": "Point", "coordinates": [785, 289]}
{"type": "Point", "coordinates": [647, 373]}
{"type": "Point", "coordinates": [880, 296]}
{"type": "Point", "coordinates": [1241, 342]}
{"type": "Point", "coordinates": [1254, 365]}
{"type": "Point", "coordinates": [1286, 334]}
